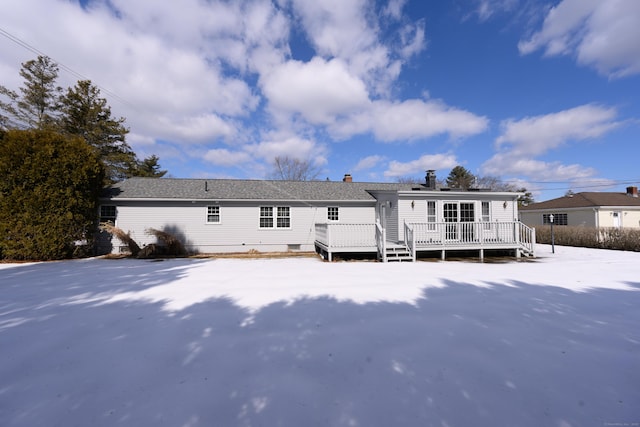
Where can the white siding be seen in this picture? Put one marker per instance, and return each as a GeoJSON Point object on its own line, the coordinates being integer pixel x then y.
{"type": "Point", "coordinates": [587, 217]}
{"type": "Point", "coordinates": [238, 229]}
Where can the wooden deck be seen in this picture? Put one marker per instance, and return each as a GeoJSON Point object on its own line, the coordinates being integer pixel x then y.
{"type": "Point", "coordinates": [423, 237]}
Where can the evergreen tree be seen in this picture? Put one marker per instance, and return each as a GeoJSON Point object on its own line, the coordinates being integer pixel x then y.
{"type": "Point", "coordinates": [149, 167]}
{"type": "Point", "coordinates": [48, 194]}
{"type": "Point", "coordinates": [37, 105]}
{"type": "Point", "coordinates": [87, 115]}
{"type": "Point", "coordinates": [461, 178]}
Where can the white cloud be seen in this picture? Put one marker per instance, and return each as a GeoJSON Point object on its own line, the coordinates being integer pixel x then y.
{"type": "Point", "coordinates": [523, 141]}
{"type": "Point", "coordinates": [318, 90]}
{"type": "Point", "coordinates": [414, 119]}
{"type": "Point", "coordinates": [409, 120]}
{"type": "Point", "coordinates": [600, 34]}
{"type": "Point", "coordinates": [350, 29]}
{"type": "Point", "coordinates": [487, 8]}
{"type": "Point", "coordinates": [394, 8]}
{"type": "Point", "coordinates": [426, 162]}
{"type": "Point", "coordinates": [198, 129]}
{"type": "Point", "coordinates": [368, 163]}
{"type": "Point", "coordinates": [224, 157]}
{"type": "Point", "coordinates": [413, 41]}
{"type": "Point", "coordinates": [537, 135]}
{"type": "Point", "coordinates": [509, 164]}
{"type": "Point", "coordinates": [282, 144]}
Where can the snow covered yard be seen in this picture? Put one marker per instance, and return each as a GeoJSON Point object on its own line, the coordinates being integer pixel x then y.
{"type": "Point", "coordinates": [300, 342]}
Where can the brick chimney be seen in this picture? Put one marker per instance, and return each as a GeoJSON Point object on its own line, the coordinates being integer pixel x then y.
{"type": "Point", "coordinates": [632, 191]}
{"type": "Point", "coordinates": [430, 179]}
{"type": "Point", "coordinates": [347, 178]}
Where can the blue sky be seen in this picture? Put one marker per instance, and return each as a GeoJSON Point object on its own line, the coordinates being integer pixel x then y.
{"type": "Point", "coordinates": [540, 94]}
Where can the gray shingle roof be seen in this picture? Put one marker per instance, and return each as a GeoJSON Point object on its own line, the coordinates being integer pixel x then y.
{"type": "Point", "coordinates": [236, 189]}
{"type": "Point", "coordinates": [586, 200]}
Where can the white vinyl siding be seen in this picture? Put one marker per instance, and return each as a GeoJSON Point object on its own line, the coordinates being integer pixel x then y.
{"type": "Point", "coordinates": [238, 232]}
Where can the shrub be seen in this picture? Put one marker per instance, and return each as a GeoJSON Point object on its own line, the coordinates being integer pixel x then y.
{"type": "Point", "coordinates": [604, 238]}
{"type": "Point", "coordinates": [48, 194]}
{"type": "Point", "coordinates": [172, 244]}
{"type": "Point", "coordinates": [134, 248]}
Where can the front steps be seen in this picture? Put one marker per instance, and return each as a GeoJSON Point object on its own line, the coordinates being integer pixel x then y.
{"type": "Point", "coordinates": [397, 253]}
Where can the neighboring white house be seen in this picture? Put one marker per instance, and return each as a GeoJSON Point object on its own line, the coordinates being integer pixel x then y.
{"type": "Point", "coordinates": [393, 220]}
{"type": "Point", "coordinates": [589, 209]}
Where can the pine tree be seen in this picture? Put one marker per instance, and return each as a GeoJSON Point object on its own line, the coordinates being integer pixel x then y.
{"type": "Point", "coordinates": [149, 167]}
{"type": "Point", "coordinates": [461, 178]}
{"type": "Point", "coordinates": [37, 105]}
{"type": "Point", "coordinates": [87, 115]}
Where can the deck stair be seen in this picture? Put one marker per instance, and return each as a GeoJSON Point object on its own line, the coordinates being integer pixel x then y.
{"type": "Point", "coordinates": [395, 252]}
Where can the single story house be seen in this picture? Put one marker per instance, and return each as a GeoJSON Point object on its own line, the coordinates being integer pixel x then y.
{"type": "Point", "coordinates": [392, 220]}
{"type": "Point", "coordinates": [589, 209]}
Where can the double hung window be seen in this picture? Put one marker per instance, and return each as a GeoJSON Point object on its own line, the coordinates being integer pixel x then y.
{"type": "Point", "coordinates": [275, 217]}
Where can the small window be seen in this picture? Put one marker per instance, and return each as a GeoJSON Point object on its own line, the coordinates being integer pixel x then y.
{"type": "Point", "coordinates": [332, 213]}
{"type": "Point", "coordinates": [108, 213]}
{"type": "Point", "coordinates": [558, 219]}
{"type": "Point", "coordinates": [213, 214]}
{"type": "Point", "coordinates": [431, 215]}
{"type": "Point", "coordinates": [266, 217]}
{"type": "Point", "coordinates": [486, 215]}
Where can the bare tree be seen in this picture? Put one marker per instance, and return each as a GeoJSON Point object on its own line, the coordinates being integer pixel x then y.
{"type": "Point", "coordinates": [287, 168]}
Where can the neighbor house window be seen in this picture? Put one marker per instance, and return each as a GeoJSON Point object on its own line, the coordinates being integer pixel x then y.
{"type": "Point", "coordinates": [332, 213]}
{"type": "Point", "coordinates": [275, 217]}
{"type": "Point", "coordinates": [558, 219]}
{"type": "Point", "coordinates": [213, 214]}
{"type": "Point", "coordinates": [431, 215]}
{"type": "Point", "coordinates": [108, 213]}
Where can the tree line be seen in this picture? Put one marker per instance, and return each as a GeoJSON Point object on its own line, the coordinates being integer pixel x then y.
{"type": "Point", "coordinates": [58, 149]}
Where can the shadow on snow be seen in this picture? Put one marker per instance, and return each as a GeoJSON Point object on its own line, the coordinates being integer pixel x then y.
{"type": "Point", "coordinates": [525, 355]}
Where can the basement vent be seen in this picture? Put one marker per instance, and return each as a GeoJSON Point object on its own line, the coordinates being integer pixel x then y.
{"type": "Point", "coordinates": [293, 247]}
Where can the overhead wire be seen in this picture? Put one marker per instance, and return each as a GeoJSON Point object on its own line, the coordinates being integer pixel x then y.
{"type": "Point", "coordinates": [62, 66]}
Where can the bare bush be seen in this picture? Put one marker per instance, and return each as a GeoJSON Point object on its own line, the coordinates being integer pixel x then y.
{"type": "Point", "coordinates": [589, 237]}
{"type": "Point", "coordinates": [173, 245]}
{"type": "Point", "coordinates": [121, 235]}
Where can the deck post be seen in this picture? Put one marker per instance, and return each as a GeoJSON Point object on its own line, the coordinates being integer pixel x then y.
{"type": "Point", "coordinates": [442, 257]}
{"type": "Point", "coordinates": [481, 254]}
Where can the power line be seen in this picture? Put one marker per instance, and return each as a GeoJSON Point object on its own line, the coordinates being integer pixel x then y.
{"type": "Point", "coordinates": [69, 70]}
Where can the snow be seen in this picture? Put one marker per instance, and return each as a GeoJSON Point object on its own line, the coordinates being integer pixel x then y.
{"type": "Point", "coordinates": [301, 342]}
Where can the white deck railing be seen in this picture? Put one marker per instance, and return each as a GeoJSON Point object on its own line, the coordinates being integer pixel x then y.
{"type": "Point", "coordinates": [425, 236]}
{"type": "Point", "coordinates": [346, 235]}
{"type": "Point", "coordinates": [452, 234]}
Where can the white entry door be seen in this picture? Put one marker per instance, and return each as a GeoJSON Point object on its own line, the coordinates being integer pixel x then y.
{"type": "Point", "coordinates": [616, 220]}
